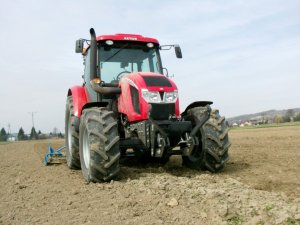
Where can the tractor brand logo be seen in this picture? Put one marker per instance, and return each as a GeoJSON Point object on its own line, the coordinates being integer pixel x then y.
{"type": "Point", "coordinates": [130, 38]}
{"type": "Point", "coordinates": [131, 83]}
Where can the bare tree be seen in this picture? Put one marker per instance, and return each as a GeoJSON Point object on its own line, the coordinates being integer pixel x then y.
{"type": "Point", "coordinates": [277, 119]}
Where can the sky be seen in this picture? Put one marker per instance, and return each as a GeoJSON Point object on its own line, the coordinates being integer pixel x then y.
{"type": "Point", "coordinates": [242, 55]}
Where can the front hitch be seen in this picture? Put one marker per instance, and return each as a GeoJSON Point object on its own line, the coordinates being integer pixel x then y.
{"type": "Point", "coordinates": [162, 139]}
{"type": "Point", "coordinates": [158, 138]}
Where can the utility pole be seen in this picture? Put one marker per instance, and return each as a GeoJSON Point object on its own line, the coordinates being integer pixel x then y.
{"type": "Point", "coordinates": [8, 129]}
{"type": "Point", "coordinates": [32, 117]}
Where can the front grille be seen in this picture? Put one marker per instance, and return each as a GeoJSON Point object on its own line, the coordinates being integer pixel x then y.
{"type": "Point", "coordinates": [162, 111]}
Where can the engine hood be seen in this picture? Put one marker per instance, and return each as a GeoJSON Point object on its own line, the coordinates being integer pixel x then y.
{"type": "Point", "coordinates": [149, 81]}
{"type": "Point", "coordinates": [131, 102]}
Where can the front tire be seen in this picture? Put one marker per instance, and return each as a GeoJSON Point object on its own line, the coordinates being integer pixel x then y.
{"type": "Point", "coordinates": [99, 145]}
{"type": "Point", "coordinates": [212, 151]}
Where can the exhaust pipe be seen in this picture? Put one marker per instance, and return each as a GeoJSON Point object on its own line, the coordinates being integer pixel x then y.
{"type": "Point", "coordinates": [93, 55]}
{"type": "Point", "coordinates": [94, 80]}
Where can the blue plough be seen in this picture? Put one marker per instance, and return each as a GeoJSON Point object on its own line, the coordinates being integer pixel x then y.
{"type": "Point", "coordinates": [54, 156]}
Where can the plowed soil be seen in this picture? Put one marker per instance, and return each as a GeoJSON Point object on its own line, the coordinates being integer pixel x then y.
{"type": "Point", "coordinates": [260, 185]}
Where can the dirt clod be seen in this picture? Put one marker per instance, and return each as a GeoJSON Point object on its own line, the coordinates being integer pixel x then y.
{"type": "Point", "coordinates": [173, 202]}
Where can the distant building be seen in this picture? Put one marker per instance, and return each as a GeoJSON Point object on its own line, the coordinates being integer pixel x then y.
{"type": "Point", "coordinates": [235, 125]}
{"type": "Point", "coordinates": [12, 137]}
{"type": "Point", "coordinates": [248, 123]}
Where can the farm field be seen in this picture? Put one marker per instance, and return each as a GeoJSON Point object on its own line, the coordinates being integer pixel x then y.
{"type": "Point", "coordinates": [260, 185]}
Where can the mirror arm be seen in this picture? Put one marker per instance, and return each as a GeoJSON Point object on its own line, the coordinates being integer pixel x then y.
{"type": "Point", "coordinates": [176, 47]}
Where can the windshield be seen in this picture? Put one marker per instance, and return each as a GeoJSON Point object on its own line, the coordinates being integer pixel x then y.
{"type": "Point", "coordinates": [123, 58]}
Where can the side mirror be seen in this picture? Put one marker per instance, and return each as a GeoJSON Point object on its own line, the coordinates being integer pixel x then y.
{"type": "Point", "coordinates": [79, 46]}
{"type": "Point", "coordinates": [178, 51]}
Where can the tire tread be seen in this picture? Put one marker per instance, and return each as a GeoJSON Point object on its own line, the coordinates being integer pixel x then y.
{"type": "Point", "coordinates": [104, 144]}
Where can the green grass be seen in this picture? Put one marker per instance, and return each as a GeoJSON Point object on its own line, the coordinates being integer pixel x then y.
{"type": "Point", "coordinates": [4, 142]}
{"type": "Point", "coordinates": [291, 221]}
{"type": "Point", "coordinates": [269, 207]}
{"type": "Point", "coordinates": [235, 220]}
{"type": "Point", "coordinates": [291, 124]}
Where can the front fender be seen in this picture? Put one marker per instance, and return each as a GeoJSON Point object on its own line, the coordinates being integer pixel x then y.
{"type": "Point", "coordinates": [196, 104]}
{"type": "Point", "coordinates": [79, 96]}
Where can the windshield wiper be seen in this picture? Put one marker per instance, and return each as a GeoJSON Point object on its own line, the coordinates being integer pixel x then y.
{"type": "Point", "coordinates": [110, 57]}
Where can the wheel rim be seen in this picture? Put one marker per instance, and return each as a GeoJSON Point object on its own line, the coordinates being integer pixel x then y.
{"type": "Point", "coordinates": [86, 149]}
{"type": "Point", "coordinates": [70, 135]}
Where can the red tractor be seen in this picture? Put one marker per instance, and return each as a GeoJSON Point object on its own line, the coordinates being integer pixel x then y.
{"type": "Point", "coordinates": [127, 106]}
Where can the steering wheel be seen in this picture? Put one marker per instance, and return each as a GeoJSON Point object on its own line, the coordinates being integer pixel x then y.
{"type": "Point", "coordinates": [119, 75]}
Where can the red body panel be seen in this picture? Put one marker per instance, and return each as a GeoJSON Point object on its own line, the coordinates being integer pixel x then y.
{"type": "Point", "coordinates": [136, 80]}
{"type": "Point", "coordinates": [127, 37]}
{"type": "Point", "coordinates": [80, 98]}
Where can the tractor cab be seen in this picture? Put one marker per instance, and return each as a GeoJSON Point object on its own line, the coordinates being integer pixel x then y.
{"type": "Point", "coordinates": [117, 59]}
{"type": "Point", "coordinates": [121, 54]}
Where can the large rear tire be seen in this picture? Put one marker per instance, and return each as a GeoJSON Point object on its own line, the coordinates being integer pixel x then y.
{"type": "Point", "coordinates": [99, 145]}
{"type": "Point", "coordinates": [71, 137]}
{"type": "Point", "coordinates": [212, 151]}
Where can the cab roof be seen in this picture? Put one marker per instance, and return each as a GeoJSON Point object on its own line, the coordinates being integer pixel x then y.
{"type": "Point", "coordinates": [127, 37]}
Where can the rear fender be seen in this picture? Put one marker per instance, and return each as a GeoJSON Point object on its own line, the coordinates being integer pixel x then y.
{"type": "Point", "coordinates": [196, 104]}
{"type": "Point", "coordinates": [79, 96]}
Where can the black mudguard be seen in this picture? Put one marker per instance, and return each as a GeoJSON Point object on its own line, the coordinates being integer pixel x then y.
{"type": "Point", "coordinates": [196, 104]}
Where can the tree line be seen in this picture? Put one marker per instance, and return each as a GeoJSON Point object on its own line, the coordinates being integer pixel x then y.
{"type": "Point", "coordinates": [290, 116]}
{"type": "Point", "coordinates": [32, 136]}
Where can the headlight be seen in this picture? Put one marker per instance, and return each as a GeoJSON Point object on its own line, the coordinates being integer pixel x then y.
{"type": "Point", "coordinates": [170, 96]}
{"type": "Point", "coordinates": [151, 96]}
{"type": "Point", "coordinates": [155, 97]}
